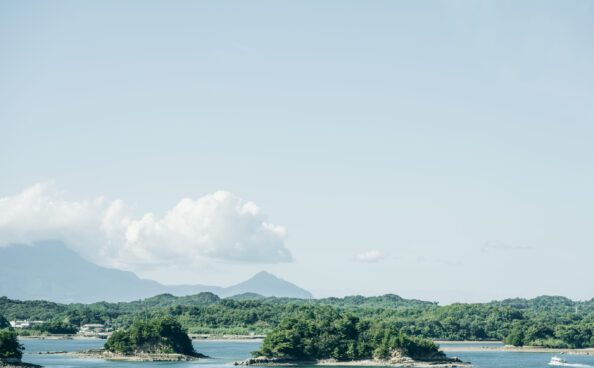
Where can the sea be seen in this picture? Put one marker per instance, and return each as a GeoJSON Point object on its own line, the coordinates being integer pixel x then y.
{"type": "Point", "coordinates": [222, 353]}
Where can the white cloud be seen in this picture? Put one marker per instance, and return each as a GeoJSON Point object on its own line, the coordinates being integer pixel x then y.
{"type": "Point", "coordinates": [369, 256]}
{"type": "Point", "coordinates": [216, 227]}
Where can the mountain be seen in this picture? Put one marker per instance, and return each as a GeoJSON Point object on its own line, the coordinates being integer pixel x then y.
{"type": "Point", "coordinates": [548, 304]}
{"type": "Point", "coordinates": [263, 283]}
{"type": "Point", "coordinates": [266, 284]}
{"type": "Point", "coordinates": [246, 296]}
{"type": "Point", "coordinates": [51, 271]}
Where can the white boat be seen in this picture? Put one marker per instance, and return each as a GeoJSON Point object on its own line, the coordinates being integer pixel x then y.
{"type": "Point", "coordinates": [557, 361]}
{"type": "Point", "coordinates": [562, 362]}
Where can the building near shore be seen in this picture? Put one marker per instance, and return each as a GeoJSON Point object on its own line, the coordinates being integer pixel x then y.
{"type": "Point", "coordinates": [92, 327]}
{"type": "Point", "coordinates": [24, 323]}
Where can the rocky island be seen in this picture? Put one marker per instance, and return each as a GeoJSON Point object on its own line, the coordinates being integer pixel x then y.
{"type": "Point", "coordinates": [325, 336]}
{"type": "Point", "coordinates": [157, 340]}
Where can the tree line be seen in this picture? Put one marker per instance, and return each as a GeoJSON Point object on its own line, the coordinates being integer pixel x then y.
{"type": "Point", "coordinates": [543, 321]}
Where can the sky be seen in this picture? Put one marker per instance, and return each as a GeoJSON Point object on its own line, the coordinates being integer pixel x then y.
{"type": "Point", "coordinates": [439, 150]}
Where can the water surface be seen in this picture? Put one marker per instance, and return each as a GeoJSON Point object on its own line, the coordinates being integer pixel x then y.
{"type": "Point", "coordinates": [225, 352]}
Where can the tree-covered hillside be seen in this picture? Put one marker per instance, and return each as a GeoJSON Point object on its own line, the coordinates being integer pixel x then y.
{"type": "Point", "coordinates": [542, 321]}
{"type": "Point", "coordinates": [104, 311]}
{"type": "Point", "coordinates": [545, 303]}
{"type": "Point", "coordinates": [157, 336]}
{"type": "Point", "coordinates": [357, 301]}
{"type": "Point", "coordinates": [324, 333]}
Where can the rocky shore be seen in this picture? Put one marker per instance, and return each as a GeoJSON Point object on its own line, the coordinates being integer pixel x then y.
{"type": "Point", "coordinates": [395, 362]}
{"type": "Point", "coordinates": [136, 357]}
{"type": "Point", "coordinates": [16, 363]}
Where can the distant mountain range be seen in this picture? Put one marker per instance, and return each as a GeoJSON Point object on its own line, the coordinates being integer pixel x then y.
{"type": "Point", "coordinates": [51, 271]}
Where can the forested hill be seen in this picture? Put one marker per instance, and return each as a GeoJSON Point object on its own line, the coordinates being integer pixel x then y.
{"type": "Point", "coordinates": [355, 301]}
{"type": "Point", "coordinates": [545, 303]}
{"type": "Point", "coordinates": [43, 310]}
{"type": "Point", "coordinates": [206, 313]}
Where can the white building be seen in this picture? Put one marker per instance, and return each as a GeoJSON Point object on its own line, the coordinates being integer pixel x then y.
{"type": "Point", "coordinates": [92, 327]}
{"type": "Point", "coordinates": [24, 323]}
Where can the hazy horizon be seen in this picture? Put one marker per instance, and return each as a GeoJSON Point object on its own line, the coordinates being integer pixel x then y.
{"type": "Point", "coordinates": [434, 150]}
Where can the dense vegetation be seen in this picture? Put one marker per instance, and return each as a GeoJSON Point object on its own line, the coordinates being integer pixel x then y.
{"type": "Point", "coordinates": [547, 333]}
{"type": "Point", "coordinates": [159, 335]}
{"type": "Point", "coordinates": [355, 301]}
{"type": "Point", "coordinates": [4, 322]}
{"type": "Point", "coordinates": [56, 328]}
{"type": "Point", "coordinates": [323, 333]}
{"type": "Point", "coordinates": [544, 321]}
{"type": "Point", "coordinates": [548, 304]}
{"type": "Point", "coordinates": [9, 345]}
{"type": "Point", "coordinates": [83, 313]}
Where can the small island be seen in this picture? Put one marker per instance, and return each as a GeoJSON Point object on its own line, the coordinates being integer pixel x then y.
{"type": "Point", "coordinates": [11, 351]}
{"type": "Point", "coordinates": [325, 336]}
{"type": "Point", "coordinates": [160, 339]}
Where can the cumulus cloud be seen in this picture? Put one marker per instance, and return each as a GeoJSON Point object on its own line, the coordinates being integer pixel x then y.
{"type": "Point", "coordinates": [369, 256]}
{"type": "Point", "coordinates": [216, 227]}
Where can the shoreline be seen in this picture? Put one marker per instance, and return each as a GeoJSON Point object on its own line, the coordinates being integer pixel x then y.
{"type": "Point", "coordinates": [518, 349]}
{"type": "Point", "coordinates": [259, 338]}
{"type": "Point", "coordinates": [477, 342]}
{"type": "Point", "coordinates": [232, 338]}
{"type": "Point", "coordinates": [16, 363]}
{"type": "Point", "coordinates": [59, 337]}
{"type": "Point", "coordinates": [223, 338]}
{"type": "Point", "coordinates": [194, 337]}
{"type": "Point", "coordinates": [402, 362]}
{"type": "Point", "coordinates": [139, 357]}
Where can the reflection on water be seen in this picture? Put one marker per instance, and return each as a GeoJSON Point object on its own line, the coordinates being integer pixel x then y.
{"type": "Point", "coordinates": [224, 352]}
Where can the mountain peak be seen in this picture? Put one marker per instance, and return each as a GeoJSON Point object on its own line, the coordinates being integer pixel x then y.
{"type": "Point", "coordinates": [267, 284]}
{"type": "Point", "coordinates": [24, 274]}
{"type": "Point", "coordinates": [264, 275]}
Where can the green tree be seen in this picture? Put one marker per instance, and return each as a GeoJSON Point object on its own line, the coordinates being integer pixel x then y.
{"type": "Point", "coordinates": [3, 322]}
{"type": "Point", "coordinates": [324, 333]}
{"type": "Point", "coordinates": [9, 345]}
{"type": "Point", "coordinates": [515, 337]}
{"type": "Point", "coordinates": [159, 335]}
{"type": "Point", "coordinates": [57, 327]}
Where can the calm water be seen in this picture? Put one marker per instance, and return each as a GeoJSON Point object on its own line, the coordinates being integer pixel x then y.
{"type": "Point", "coordinates": [223, 353]}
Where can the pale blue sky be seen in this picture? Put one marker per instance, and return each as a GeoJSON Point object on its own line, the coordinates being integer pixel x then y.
{"type": "Point", "coordinates": [454, 138]}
